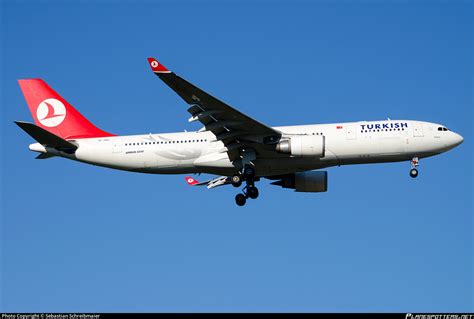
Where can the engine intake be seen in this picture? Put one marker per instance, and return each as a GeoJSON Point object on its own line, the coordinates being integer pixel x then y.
{"type": "Point", "coordinates": [303, 145]}
{"type": "Point", "coordinates": [313, 181]}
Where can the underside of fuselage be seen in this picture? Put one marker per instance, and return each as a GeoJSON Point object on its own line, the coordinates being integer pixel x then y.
{"type": "Point", "coordinates": [273, 167]}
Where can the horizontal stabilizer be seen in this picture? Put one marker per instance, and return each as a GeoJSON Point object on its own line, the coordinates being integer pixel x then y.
{"type": "Point", "coordinates": [46, 138]}
{"type": "Point", "coordinates": [44, 156]}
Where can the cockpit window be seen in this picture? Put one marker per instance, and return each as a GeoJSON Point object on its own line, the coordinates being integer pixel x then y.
{"type": "Point", "coordinates": [442, 129]}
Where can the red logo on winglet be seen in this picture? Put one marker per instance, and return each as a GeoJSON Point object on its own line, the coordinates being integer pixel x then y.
{"type": "Point", "coordinates": [157, 67]}
{"type": "Point", "coordinates": [191, 181]}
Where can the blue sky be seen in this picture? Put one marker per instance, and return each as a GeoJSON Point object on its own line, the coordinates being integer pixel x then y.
{"type": "Point", "coordinates": [82, 238]}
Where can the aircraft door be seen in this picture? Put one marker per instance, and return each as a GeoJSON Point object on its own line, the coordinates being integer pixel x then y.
{"type": "Point", "coordinates": [417, 130]}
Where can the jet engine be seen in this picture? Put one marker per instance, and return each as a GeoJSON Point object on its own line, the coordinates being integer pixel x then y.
{"type": "Point", "coordinates": [303, 145]}
{"type": "Point", "coordinates": [313, 181]}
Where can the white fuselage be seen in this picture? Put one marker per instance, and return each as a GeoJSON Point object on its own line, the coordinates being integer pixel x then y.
{"type": "Point", "coordinates": [198, 152]}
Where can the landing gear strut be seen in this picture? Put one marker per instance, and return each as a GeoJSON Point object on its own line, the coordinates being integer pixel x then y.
{"type": "Point", "coordinates": [249, 172]}
{"type": "Point", "coordinates": [414, 165]}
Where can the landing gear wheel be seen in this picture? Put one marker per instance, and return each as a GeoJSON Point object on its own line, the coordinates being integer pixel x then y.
{"type": "Point", "coordinates": [252, 192]}
{"type": "Point", "coordinates": [249, 172]}
{"type": "Point", "coordinates": [236, 180]}
{"type": "Point", "coordinates": [240, 199]}
{"type": "Point", "coordinates": [413, 172]}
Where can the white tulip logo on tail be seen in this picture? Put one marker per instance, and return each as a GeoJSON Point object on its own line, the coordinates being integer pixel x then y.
{"type": "Point", "coordinates": [51, 112]}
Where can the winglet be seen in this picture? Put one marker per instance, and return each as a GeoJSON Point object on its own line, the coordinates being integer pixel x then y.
{"type": "Point", "coordinates": [191, 181]}
{"type": "Point", "coordinates": [157, 67]}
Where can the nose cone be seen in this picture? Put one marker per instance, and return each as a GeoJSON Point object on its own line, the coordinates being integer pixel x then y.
{"type": "Point", "coordinates": [456, 139]}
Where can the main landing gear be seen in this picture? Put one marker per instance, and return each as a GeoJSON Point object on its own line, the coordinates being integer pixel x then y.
{"type": "Point", "coordinates": [414, 164]}
{"type": "Point", "coordinates": [249, 191]}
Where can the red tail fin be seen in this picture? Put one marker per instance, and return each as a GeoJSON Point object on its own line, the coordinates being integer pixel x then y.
{"type": "Point", "coordinates": [54, 114]}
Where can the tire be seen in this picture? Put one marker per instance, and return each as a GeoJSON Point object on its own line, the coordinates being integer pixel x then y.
{"type": "Point", "coordinates": [252, 192]}
{"type": "Point", "coordinates": [413, 173]}
{"type": "Point", "coordinates": [236, 180]}
{"type": "Point", "coordinates": [240, 199]}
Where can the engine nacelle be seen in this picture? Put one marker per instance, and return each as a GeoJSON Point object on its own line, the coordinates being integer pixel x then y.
{"type": "Point", "coordinates": [303, 145]}
{"type": "Point", "coordinates": [314, 181]}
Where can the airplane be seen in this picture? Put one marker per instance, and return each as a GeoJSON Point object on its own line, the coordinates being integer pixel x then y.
{"type": "Point", "coordinates": [232, 145]}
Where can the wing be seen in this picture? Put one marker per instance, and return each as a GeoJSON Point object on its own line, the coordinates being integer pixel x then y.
{"type": "Point", "coordinates": [235, 129]}
{"type": "Point", "coordinates": [218, 181]}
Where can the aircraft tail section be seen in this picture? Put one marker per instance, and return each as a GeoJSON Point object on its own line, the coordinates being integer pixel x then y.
{"type": "Point", "coordinates": [54, 114]}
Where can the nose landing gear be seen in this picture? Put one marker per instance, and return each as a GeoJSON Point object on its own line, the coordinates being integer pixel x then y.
{"type": "Point", "coordinates": [414, 164]}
